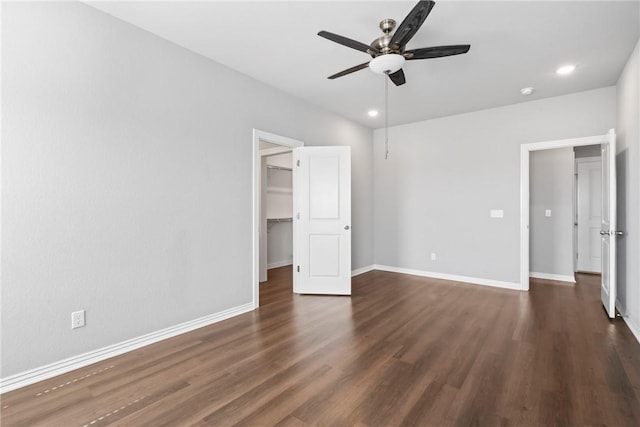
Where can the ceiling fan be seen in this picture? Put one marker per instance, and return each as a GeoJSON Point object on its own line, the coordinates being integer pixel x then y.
{"type": "Point", "coordinates": [389, 51]}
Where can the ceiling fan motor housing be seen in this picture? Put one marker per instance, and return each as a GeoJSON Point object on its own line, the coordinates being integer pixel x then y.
{"type": "Point", "coordinates": [381, 44]}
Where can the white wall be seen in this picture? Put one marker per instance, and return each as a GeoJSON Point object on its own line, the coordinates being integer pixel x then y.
{"type": "Point", "coordinates": [279, 244]}
{"type": "Point", "coordinates": [628, 167]}
{"type": "Point", "coordinates": [443, 176]}
{"type": "Point", "coordinates": [551, 187]}
{"type": "Point", "coordinates": [127, 180]}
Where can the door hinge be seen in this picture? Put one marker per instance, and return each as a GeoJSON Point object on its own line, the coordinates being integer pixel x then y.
{"type": "Point", "coordinates": [298, 215]}
{"type": "Point", "coordinates": [298, 269]}
{"type": "Point", "coordinates": [298, 163]}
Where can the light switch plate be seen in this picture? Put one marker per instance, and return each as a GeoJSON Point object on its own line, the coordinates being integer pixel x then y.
{"type": "Point", "coordinates": [547, 213]}
{"type": "Point", "coordinates": [496, 213]}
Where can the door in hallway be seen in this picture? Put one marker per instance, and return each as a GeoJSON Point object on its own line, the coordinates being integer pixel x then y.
{"type": "Point", "coordinates": [589, 204]}
{"type": "Point", "coordinates": [608, 231]}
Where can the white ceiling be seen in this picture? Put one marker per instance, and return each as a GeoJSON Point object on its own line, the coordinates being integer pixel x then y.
{"type": "Point", "coordinates": [513, 45]}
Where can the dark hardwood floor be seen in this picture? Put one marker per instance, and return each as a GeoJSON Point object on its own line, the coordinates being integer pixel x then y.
{"type": "Point", "coordinates": [402, 350]}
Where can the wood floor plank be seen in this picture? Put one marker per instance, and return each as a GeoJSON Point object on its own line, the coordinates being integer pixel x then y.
{"type": "Point", "coordinates": [402, 350]}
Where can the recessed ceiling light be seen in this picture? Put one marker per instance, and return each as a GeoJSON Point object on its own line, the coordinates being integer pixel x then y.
{"type": "Point", "coordinates": [373, 113]}
{"type": "Point", "coordinates": [565, 69]}
{"type": "Point", "coordinates": [526, 91]}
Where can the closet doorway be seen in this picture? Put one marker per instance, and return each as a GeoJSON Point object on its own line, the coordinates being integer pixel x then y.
{"type": "Point", "coordinates": [274, 234]}
{"type": "Point", "coordinates": [276, 245]}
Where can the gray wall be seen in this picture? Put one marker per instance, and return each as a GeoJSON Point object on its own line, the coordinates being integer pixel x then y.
{"type": "Point", "coordinates": [443, 176]}
{"type": "Point", "coordinates": [126, 180]}
{"type": "Point", "coordinates": [587, 151]}
{"type": "Point", "coordinates": [628, 167]}
{"type": "Point", "coordinates": [551, 187]}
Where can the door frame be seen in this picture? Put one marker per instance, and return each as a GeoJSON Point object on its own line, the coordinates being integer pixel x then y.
{"type": "Point", "coordinates": [259, 135]}
{"type": "Point", "coordinates": [525, 150]}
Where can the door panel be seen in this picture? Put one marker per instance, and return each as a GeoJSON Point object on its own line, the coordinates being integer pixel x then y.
{"type": "Point", "coordinates": [589, 216]}
{"type": "Point", "coordinates": [322, 220]}
{"type": "Point", "coordinates": [324, 255]}
{"type": "Point", "coordinates": [608, 227]}
{"type": "Point", "coordinates": [324, 187]}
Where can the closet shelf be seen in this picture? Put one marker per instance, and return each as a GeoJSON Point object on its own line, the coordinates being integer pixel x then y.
{"type": "Point", "coordinates": [279, 219]}
{"type": "Point", "coordinates": [280, 168]}
{"type": "Point", "coordinates": [284, 190]}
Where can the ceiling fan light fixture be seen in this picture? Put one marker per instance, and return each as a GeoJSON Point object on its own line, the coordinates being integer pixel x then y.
{"type": "Point", "coordinates": [386, 64]}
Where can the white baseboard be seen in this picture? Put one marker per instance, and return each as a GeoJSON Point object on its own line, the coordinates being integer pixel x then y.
{"type": "Point", "coordinates": [279, 264]}
{"type": "Point", "coordinates": [634, 325]}
{"type": "Point", "coordinates": [444, 276]}
{"type": "Point", "coordinates": [557, 277]}
{"type": "Point", "coordinates": [31, 376]}
{"type": "Point", "coordinates": [359, 271]}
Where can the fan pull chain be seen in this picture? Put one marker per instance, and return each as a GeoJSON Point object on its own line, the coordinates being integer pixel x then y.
{"type": "Point", "coordinates": [386, 116]}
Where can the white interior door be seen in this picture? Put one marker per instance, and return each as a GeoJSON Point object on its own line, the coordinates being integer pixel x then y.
{"type": "Point", "coordinates": [608, 229]}
{"type": "Point", "coordinates": [589, 215]}
{"type": "Point", "coordinates": [322, 220]}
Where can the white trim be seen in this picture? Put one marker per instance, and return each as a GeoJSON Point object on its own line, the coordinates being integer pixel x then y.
{"type": "Point", "coordinates": [362, 270]}
{"type": "Point", "coordinates": [563, 143]}
{"type": "Point", "coordinates": [259, 135]}
{"type": "Point", "coordinates": [633, 325]}
{"type": "Point", "coordinates": [556, 277]}
{"type": "Point", "coordinates": [525, 149]}
{"type": "Point", "coordinates": [456, 278]}
{"type": "Point", "coordinates": [32, 376]}
{"type": "Point", "coordinates": [279, 264]}
{"type": "Point", "coordinates": [524, 217]}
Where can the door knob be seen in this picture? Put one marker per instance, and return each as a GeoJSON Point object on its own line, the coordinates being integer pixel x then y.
{"type": "Point", "coordinates": [604, 233]}
{"type": "Point", "coordinates": [619, 233]}
{"type": "Point", "coordinates": [346, 227]}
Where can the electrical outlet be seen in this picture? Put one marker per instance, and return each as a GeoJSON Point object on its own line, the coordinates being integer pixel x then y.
{"type": "Point", "coordinates": [433, 256]}
{"type": "Point", "coordinates": [77, 319]}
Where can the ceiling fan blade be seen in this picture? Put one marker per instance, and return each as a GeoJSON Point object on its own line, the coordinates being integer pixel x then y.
{"type": "Point", "coordinates": [436, 51]}
{"type": "Point", "coordinates": [349, 71]}
{"type": "Point", "coordinates": [347, 42]}
{"type": "Point", "coordinates": [398, 77]}
{"type": "Point", "coordinates": [411, 23]}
